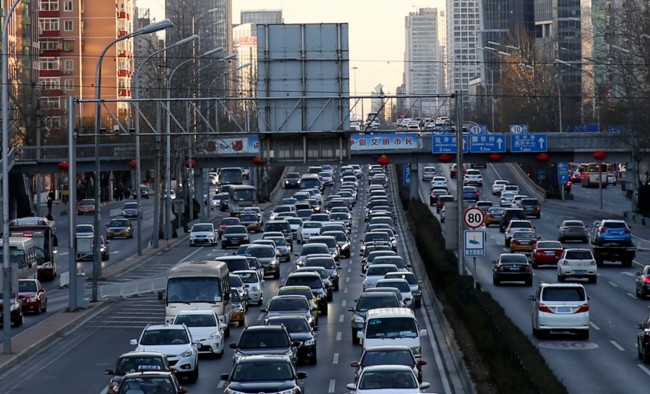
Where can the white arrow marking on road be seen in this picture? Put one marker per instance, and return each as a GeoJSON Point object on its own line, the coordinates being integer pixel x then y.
{"type": "Point", "coordinates": [541, 142]}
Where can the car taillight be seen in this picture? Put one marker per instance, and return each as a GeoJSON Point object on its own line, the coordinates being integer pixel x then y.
{"type": "Point", "coordinates": [537, 208]}
{"type": "Point", "coordinates": [583, 308]}
{"type": "Point", "coordinates": [568, 183]}
{"type": "Point", "coordinates": [627, 231]}
{"type": "Point", "coordinates": [646, 280]}
{"type": "Point", "coordinates": [602, 230]}
{"type": "Point", "coordinates": [544, 308]}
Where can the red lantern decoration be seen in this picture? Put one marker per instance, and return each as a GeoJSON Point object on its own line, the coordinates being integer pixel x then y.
{"type": "Point", "coordinates": [63, 166]}
{"type": "Point", "coordinates": [444, 158]}
{"type": "Point", "coordinates": [600, 155]}
{"type": "Point", "coordinates": [542, 157]}
{"type": "Point", "coordinates": [494, 156]}
{"type": "Point", "coordinates": [191, 163]}
{"type": "Point", "coordinates": [383, 160]}
{"type": "Point", "coordinates": [133, 164]}
{"type": "Point", "coordinates": [258, 161]}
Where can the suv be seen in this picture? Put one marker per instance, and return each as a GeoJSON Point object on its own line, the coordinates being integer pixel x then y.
{"type": "Point", "coordinates": [263, 340]}
{"type": "Point", "coordinates": [203, 233]}
{"type": "Point", "coordinates": [560, 307]}
{"type": "Point", "coordinates": [577, 263]}
{"type": "Point", "coordinates": [643, 341]}
{"type": "Point", "coordinates": [531, 207]}
{"type": "Point", "coordinates": [473, 177]}
{"type": "Point", "coordinates": [612, 230]}
{"type": "Point", "coordinates": [264, 374]}
{"type": "Point", "coordinates": [175, 341]}
{"type": "Point", "coordinates": [510, 214]}
{"type": "Point", "coordinates": [428, 173]}
{"type": "Point", "coordinates": [516, 225]}
{"type": "Point", "coordinates": [136, 361]}
{"type": "Point", "coordinates": [367, 301]}
{"type": "Point", "coordinates": [282, 226]}
{"type": "Point", "coordinates": [292, 180]}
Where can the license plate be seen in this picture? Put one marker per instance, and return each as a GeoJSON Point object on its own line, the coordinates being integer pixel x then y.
{"type": "Point", "coordinates": [514, 268]}
{"type": "Point", "coordinates": [199, 346]}
{"type": "Point", "coordinates": [563, 309]}
{"type": "Point", "coordinates": [580, 272]}
{"type": "Point", "coordinates": [523, 242]}
{"type": "Point", "coordinates": [550, 253]}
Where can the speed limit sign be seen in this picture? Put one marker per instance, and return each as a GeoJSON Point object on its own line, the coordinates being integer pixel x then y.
{"type": "Point", "coordinates": [474, 217]}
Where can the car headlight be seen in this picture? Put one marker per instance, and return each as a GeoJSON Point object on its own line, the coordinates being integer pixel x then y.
{"type": "Point", "coordinates": [309, 342]}
{"type": "Point", "coordinates": [358, 319]}
{"type": "Point", "coordinates": [33, 299]}
{"type": "Point", "coordinates": [46, 265]}
{"type": "Point", "coordinates": [215, 335]}
{"type": "Point", "coordinates": [186, 353]}
{"type": "Point", "coordinates": [14, 306]}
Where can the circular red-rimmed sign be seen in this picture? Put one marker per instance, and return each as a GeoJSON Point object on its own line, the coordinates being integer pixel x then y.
{"type": "Point", "coordinates": [474, 217]}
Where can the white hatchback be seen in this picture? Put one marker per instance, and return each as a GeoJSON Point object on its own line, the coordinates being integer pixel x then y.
{"type": "Point", "coordinates": [560, 307]}
{"type": "Point", "coordinates": [577, 263]}
{"type": "Point", "coordinates": [428, 173]}
{"type": "Point", "coordinates": [205, 328]}
{"type": "Point", "coordinates": [498, 186]}
{"type": "Point", "coordinates": [438, 181]}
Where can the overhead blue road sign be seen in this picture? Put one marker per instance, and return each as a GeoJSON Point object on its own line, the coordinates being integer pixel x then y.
{"type": "Point", "coordinates": [562, 173]}
{"type": "Point", "coordinates": [406, 175]}
{"type": "Point", "coordinates": [618, 129]}
{"type": "Point", "coordinates": [581, 128]}
{"type": "Point", "coordinates": [487, 143]}
{"type": "Point", "coordinates": [518, 129]}
{"type": "Point", "coordinates": [478, 129]}
{"type": "Point", "coordinates": [446, 143]}
{"type": "Point", "coordinates": [528, 143]}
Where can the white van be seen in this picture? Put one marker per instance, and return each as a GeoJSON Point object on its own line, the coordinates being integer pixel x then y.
{"type": "Point", "coordinates": [392, 326]}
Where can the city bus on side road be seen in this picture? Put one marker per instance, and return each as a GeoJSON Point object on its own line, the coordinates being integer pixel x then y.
{"type": "Point", "coordinates": [43, 233]}
{"type": "Point", "coordinates": [22, 256]}
{"type": "Point", "coordinates": [594, 174]}
{"type": "Point", "coordinates": [198, 285]}
{"type": "Point", "coordinates": [240, 197]}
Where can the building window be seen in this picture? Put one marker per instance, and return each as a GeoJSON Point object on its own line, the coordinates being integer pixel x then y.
{"type": "Point", "coordinates": [50, 45]}
{"type": "Point", "coordinates": [48, 24]}
{"type": "Point", "coordinates": [68, 84]}
{"type": "Point", "coordinates": [49, 5]}
{"type": "Point", "coordinates": [68, 65]}
{"type": "Point", "coordinates": [68, 26]}
{"type": "Point", "coordinates": [50, 83]}
{"type": "Point", "coordinates": [49, 63]}
{"type": "Point", "coordinates": [67, 6]}
{"type": "Point", "coordinates": [53, 122]}
{"type": "Point", "coordinates": [68, 45]}
{"type": "Point", "coordinates": [50, 103]}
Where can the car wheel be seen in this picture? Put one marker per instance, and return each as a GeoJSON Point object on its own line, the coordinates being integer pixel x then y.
{"type": "Point", "coordinates": [220, 354]}
{"type": "Point", "coordinates": [507, 242]}
{"type": "Point", "coordinates": [314, 359]}
{"type": "Point", "coordinates": [276, 275]}
{"type": "Point", "coordinates": [593, 279]}
{"type": "Point", "coordinates": [584, 334]}
{"type": "Point", "coordinates": [418, 303]}
{"type": "Point", "coordinates": [39, 309]}
{"type": "Point", "coordinates": [536, 333]}
{"type": "Point", "coordinates": [226, 332]}
{"type": "Point", "coordinates": [223, 245]}
{"type": "Point", "coordinates": [19, 321]}
{"type": "Point", "coordinates": [645, 357]}
{"type": "Point", "coordinates": [560, 278]}
{"type": "Point", "coordinates": [496, 281]}
{"type": "Point", "coordinates": [355, 340]}
{"type": "Point", "coordinates": [45, 306]}
{"type": "Point", "coordinates": [529, 282]}
{"type": "Point", "coordinates": [560, 239]}
{"type": "Point", "coordinates": [323, 311]}
{"type": "Point", "coordinates": [194, 375]}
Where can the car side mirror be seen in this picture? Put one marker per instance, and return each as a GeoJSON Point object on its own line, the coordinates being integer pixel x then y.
{"type": "Point", "coordinates": [494, 262]}
{"type": "Point", "coordinates": [425, 385]}
{"type": "Point", "coordinates": [133, 342]}
{"type": "Point", "coordinates": [263, 310]}
{"type": "Point", "coordinates": [531, 297]}
{"type": "Point", "coordinates": [638, 274]}
{"type": "Point", "coordinates": [224, 376]}
{"type": "Point", "coordinates": [421, 362]}
{"type": "Point", "coordinates": [424, 332]}
{"type": "Point", "coordinates": [351, 386]}
{"type": "Point", "coordinates": [111, 372]}
{"type": "Point", "coordinates": [233, 346]}
{"type": "Point", "coordinates": [301, 375]}
{"type": "Point", "coordinates": [360, 334]}
{"type": "Point", "coordinates": [296, 343]}
{"type": "Point", "coordinates": [639, 326]}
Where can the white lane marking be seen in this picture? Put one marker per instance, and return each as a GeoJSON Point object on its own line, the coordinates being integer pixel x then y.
{"type": "Point", "coordinates": [336, 358]}
{"type": "Point", "coordinates": [341, 318]}
{"type": "Point", "coordinates": [594, 325]}
{"type": "Point", "coordinates": [628, 274]}
{"type": "Point", "coordinates": [345, 291]}
{"type": "Point", "coordinates": [616, 345]}
{"type": "Point", "coordinates": [221, 384]}
{"type": "Point", "coordinates": [343, 303]}
{"type": "Point", "coordinates": [339, 335]}
{"type": "Point", "coordinates": [612, 284]}
{"type": "Point", "coordinates": [350, 269]}
{"type": "Point", "coordinates": [260, 316]}
{"type": "Point", "coordinates": [332, 386]}
{"type": "Point", "coordinates": [633, 296]}
{"type": "Point", "coordinates": [347, 280]}
{"type": "Point", "coordinates": [644, 369]}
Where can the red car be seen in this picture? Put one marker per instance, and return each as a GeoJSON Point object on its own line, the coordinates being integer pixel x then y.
{"type": "Point", "coordinates": [87, 205]}
{"type": "Point", "coordinates": [546, 252]}
{"type": "Point", "coordinates": [33, 295]}
{"type": "Point", "coordinates": [225, 222]}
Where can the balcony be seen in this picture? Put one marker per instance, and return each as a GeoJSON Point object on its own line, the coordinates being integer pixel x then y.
{"type": "Point", "coordinates": [124, 54]}
{"type": "Point", "coordinates": [123, 15]}
{"type": "Point", "coordinates": [122, 33]}
{"type": "Point", "coordinates": [124, 73]}
{"type": "Point", "coordinates": [49, 33]}
{"type": "Point", "coordinates": [124, 92]}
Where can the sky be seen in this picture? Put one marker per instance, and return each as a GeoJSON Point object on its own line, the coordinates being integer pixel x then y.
{"type": "Point", "coordinates": [376, 32]}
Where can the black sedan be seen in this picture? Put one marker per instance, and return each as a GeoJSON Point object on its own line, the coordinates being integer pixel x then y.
{"type": "Point", "coordinates": [300, 332]}
{"type": "Point", "coordinates": [643, 282]}
{"type": "Point", "coordinates": [264, 373]}
{"type": "Point", "coordinates": [511, 267]}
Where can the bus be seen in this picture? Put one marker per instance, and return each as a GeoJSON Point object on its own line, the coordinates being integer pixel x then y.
{"type": "Point", "coordinates": [198, 285]}
{"type": "Point", "coordinates": [231, 176]}
{"type": "Point", "coordinates": [241, 196]}
{"type": "Point", "coordinates": [43, 233]}
{"type": "Point", "coordinates": [22, 256]}
{"type": "Point", "coordinates": [592, 175]}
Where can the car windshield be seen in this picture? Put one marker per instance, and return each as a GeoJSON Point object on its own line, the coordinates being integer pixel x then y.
{"type": "Point", "coordinates": [262, 371]}
{"type": "Point", "coordinates": [313, 282]}
{"type": "Point", "coordinates": [27, 286]}
{"type": "Point", "coordinates": [133, 364]}
{"type": "Point", "coordinates": [292, 325]}
{"type": "Point", "coordinates": [327, 263]}
{"type": "Point", "coordinates": [235, 230]}
{"type": "Point", "coordinates": [402, 286]}
{"type": "Point", "coordinates": [366, 303]}
{"type": "Point", "coordinates": [614, 225]}
{"type": "Point", "coordinates": [289, 291]}
{"type": "Point", "coordinates": [256, 340]}
{"type": "Point", "coordinates": [278, 241]}
{"type": "Point", "coordinates": [313, 249]}
{"type": "Point", "coordinates": [391, 327]}
{"type": "Point", "coordinates": [288, 304]}
{"type": "Point", "coordinates": [549, 245]}
{"type": "Point", "coordinates": [574, 224]}
{"type": "Point", "coordinates": [410, 278]}
{"type": "Point", "coordinates": [250, 217]}
{"type": "Point", "coordinates": [155, 337]}
{"type": "Point", "coordinates": [578, 255]}
{"type": "Point", "coordinates": [262, 251]}
{"type": "Point", "coordinates": [230, 221]}
{"type": "Point", "coordinates": [524, 235]}
{"type": "Point", "coordinates": [235, 281]}
{"type": "Point", "coordinates": [195, 320]}
{"type": "Point", "coordinates": [380, 271]}
{"type": "Point", "coordinates": [247, 277]}
{"type": "Point", "coordinates": [563, 294]}
{"type": "Point", "coordinates": [202, 228]}
{"type": "Point", "coordinates": [514, 259]}
{"type": "Point", "coordinates": [370, 237]}
{"type": "Point", "coordinates": [119, 223]}
{"type": "Point", "coordinates": [84, 228]}
{"type": "Point", "coordinates": [387, 357]}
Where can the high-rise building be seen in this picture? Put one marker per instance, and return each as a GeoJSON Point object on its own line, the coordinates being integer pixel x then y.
{"type": "Point", "coordinates": [463, 25]}
{"type": "Point", "coordinates": [258, 17]}
{"type": "Point", "coordinates": [423, 63]}
{"type": "Point", "coordinates": [72, 35]}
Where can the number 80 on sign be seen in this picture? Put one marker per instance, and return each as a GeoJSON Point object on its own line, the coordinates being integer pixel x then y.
{"type": "Point", "coordinates": [474, 217]}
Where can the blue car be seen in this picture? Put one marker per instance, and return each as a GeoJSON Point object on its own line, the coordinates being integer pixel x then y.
{"type": "Point", "coordinates": [471, 193]}
{"type": "Point", "coordinates": [613, 231]}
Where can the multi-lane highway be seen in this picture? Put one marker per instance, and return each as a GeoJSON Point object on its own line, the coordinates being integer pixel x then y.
{"type": "Point", "coordinates": [607, 362]}
{"type": "Point", "coordinates": [97, 343]}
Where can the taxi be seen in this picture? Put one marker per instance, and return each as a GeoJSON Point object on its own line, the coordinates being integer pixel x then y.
{"type": "Point", "coordinates": [494, 215]}
{"type": "Point", "coordinates": [119, 228]}
{"type": "Point", "coordinates": [238, 308]}
{"type": "Point", "coordinates": [523, 241]}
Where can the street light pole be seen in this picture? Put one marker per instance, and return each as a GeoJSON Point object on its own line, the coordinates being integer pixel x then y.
{"type": "Point", "coordinates": [138, 180]}
{"type": "Point", "coordinates": [168, 180]}
{"type": "Point", "coordinates": [6, 263]}
{"type": "Point", "coordinates": [97, 260]}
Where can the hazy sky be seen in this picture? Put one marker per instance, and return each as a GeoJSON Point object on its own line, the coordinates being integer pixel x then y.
{"type": "Point", "coordinates": [376, 31]}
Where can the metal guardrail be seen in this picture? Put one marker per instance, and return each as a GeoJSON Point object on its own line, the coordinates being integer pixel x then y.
{"type": "Point", "coordinates": [125, 289]}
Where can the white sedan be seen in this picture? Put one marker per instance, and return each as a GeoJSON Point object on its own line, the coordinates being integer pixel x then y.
{"type": "Point", "coordinates": [205, 328]}
{"type": "Point", "coordinates": [438, 181]}
{"type": "Point", "coordinates": [498, 186]}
